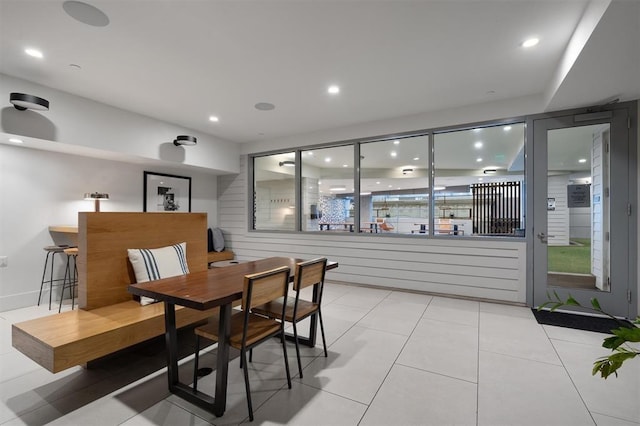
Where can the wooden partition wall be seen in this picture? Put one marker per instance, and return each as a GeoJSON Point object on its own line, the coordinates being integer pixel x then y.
{"type": "Point", "coordinates": [104, 271]}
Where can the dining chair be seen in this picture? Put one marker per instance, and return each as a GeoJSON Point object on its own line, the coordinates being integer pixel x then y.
{"type": "Point", "coordinates": [309, 273]}
{"type": "Point", "coordinates": [247, 328]}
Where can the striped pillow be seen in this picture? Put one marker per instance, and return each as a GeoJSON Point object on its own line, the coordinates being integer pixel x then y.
{"type": "Point", "coordinates": [154, 264]}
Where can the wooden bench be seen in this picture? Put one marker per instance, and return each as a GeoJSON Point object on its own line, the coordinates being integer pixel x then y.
{"type": "Point", "coordinates": [218, 256]}
{"type": "Point", "coordinates": [108, 320]}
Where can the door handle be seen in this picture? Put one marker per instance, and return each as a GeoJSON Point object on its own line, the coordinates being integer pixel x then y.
{"type": "Point", "coordinates": [544, 237]}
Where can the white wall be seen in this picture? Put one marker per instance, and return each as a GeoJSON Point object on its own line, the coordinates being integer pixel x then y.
{"type": "Point", "coordinates": [80, 123]}
{"type": "Point", "coordinates": [40, 188]}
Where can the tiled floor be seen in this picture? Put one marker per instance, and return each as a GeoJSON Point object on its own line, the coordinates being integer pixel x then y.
{"type": "Point", "coordinates": [394, 359]}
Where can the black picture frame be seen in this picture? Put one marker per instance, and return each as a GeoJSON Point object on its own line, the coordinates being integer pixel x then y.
{"type": "Point", "coordinates": [166, 193]}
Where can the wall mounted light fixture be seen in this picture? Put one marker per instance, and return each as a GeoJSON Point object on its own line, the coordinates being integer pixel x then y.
{"type": "Point", "coordinates": [185, 140]}
{"type": "Point", "coordinates": [287, 163]}
{"type": "Point", "coordinates": [23, 102]}
{"type": "Point", "coordinates": [96, 196]}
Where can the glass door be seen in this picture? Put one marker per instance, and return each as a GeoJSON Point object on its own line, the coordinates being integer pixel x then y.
{"type": "Point", "coordinates": [583, 191]}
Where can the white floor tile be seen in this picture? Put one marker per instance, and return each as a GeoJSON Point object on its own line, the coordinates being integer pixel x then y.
{"type": "Point", "coordinates": [516, 391]}
{"type": "Point", "coordinates": [456, 311]}
{"type": "Point", "coordinates": [515, 336]}
{"type": "Point", "coordinates": [357, 365]}
{"type": "Point", "coordinates": [362, 297]}
{"type": "Point", "coordinates": [393, 316]}
{"type": "Point", "coordinates": [167, 414]}
{"type": "Point", "coordinates": [304, 405]}
{"type": "Point", "coordinates": [602, 420]}
{"type": "Point", "coordinates": [443, 348]}
{"type": "Point", "coordinates": [413, 397]}
{"type": "Point", "coordinates": [611, 396]}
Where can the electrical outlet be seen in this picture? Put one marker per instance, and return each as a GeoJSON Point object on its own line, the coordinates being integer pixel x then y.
{"type": "Point", "coordinates": [4, 261]}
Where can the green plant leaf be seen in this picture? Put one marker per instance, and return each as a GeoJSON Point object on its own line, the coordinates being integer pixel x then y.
{"type": "Point", "coordinates": [628, 334]}
{"type": "Point", "coordinates": [595, 304]}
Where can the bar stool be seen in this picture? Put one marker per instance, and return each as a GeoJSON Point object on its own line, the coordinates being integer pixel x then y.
{"type": "Point", "coordinates": [51, 252]}
{"type": "Point", "coordinates": [72, 255]}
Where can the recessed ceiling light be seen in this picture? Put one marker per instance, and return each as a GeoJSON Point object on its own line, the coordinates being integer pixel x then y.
{"type": "Point", "coordinates": [477, 130]}
{"type": "Point", "coordinates": [506, 128]}
{"type": "Point", "coordinates": [393, 153]}
{"type": "Point", "coordinates": [15, 140]}
{"type": "Point", "coordinates": [378, 183]}
{"type": "Point", "coordinates": [390, 186]}
{"type": "Point", "coordinates": [214, 118]}
{"type": "Point", "coordinates": [479, 160]}
{"type": "Point", "coordinates": [582, 160]}
{"type": "Point", "coordinates": [34, 52]}
{"type": "Point", "coordinates": [530, 42]}
{"type": "Point", "coordinates": [334, 90]}
{"type": "Point", "coordinates": [416, 158]}
{"type": "Point", "coordinates": [264, 106]}
{"type": "Point", "coordinates": [478, 144]}
{"type": "Point", "coordinates": [396, 142]}
{"type": "Point", "coordinates": [327, 160]}
{"type": "Point", "coordinates": [345, 165]}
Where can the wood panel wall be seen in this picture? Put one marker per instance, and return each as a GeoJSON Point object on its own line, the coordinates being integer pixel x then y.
{"type": "Point", "coordinates": [104, 271]}
{"type": "Point", "coordinates": [473, 267]}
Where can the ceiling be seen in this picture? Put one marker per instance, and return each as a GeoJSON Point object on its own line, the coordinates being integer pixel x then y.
{"type": "Point", "coordinates": [183, 61]}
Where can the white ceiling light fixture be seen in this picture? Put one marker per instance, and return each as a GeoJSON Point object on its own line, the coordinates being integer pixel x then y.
{"type": "Point", "coordinates": [23, 101]}
{"type": "Point", "coordinates": [15, 140]}
{"type": "Point", "coordinates": [213, 118]}
{"type": "Point", "coordinates": [478, 145]}
{"type": "Point", "coordinates": [439, 188]}
{"type": "Point", "coordinates": [185, 140]}
{"type": "Point", "coordinates": [327, 160]}
{"type": "Point", "coordinates": [34, 53]}
{"type": "Point", "coordinates": [333, 89]}
{"type": "Point", "coordinates": [396, 142]}
{"type": "Point", "coordinates": [338, 188]}
{"type": "Point", "coordinates": [416, 158]}
{"type": "Point", "coordinates": [530, 42]}
{"type": "Point", "coordinates": [479, 160]}
{"type": "Point", "coordinates": [506, 128]}
{"type": "Point", "coordinates": [582, 160]}
{"type": "Point", "coordinates": [394, 154]}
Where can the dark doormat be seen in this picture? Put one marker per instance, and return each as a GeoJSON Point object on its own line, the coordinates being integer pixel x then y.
{"type": "Point", "coordinates": [580, 322]}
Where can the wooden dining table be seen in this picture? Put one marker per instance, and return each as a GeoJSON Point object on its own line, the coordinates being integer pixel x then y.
{"type": "Point", "coordinates": [217, 287]}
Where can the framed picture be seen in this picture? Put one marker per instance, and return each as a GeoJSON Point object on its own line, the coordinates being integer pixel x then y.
{"type": "Point", "coordinates": [166, 193]}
